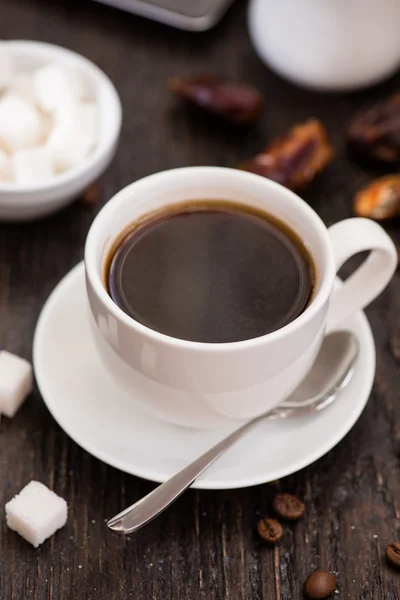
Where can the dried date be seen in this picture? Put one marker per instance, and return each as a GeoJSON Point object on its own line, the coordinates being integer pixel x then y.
{"type": "Point", "coordinates": [91, 196]}
{"type": "Point", "coordinates": [375, 132]}
{"type": "Point", "coordinates": [235, 101]}
{"type": "Point", "coordinates": [380, 199]}
{"type": "Point", "coordinates": [296, 158]}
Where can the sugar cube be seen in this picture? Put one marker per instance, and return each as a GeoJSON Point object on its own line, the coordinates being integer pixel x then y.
{"type": "Point", "coordinates": [16, 382]}
{"type": "Point", "coordinates": [6, 67]}
{"type": "Point", "coordinates": [32, 166]}
{"type": "Point", "coordinates": [22, 86]}
{"type": "Point", "coordinates": [74, 135]}
{"type": "Point", "coordinates": [36, 513]}
{"type": "Point", "coordinates": [6, 173]}
{"type": "Point", "coordinates": [56, 85]}
{"type": "Point", "coordinates": [21, 125]}
{"type": "Point", "coordinates": [79, 83]}
{"type": "Point", "coordinates": [47, 126]}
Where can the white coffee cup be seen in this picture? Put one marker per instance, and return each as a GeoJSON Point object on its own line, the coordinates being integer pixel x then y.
{"type": "Point", "coordinates": [201, 384]}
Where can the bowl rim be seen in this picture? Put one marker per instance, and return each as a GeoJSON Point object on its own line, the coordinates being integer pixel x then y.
{"type": "Point", "coordinates": [99, 154]}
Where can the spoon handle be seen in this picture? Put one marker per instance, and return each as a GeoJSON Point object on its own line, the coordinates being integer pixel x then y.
{"type": "Point", "coordinates": [145, 510]}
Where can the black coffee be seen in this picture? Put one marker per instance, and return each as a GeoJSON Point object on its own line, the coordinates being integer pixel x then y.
{"type": "Point", "coordinates": [214, 272]}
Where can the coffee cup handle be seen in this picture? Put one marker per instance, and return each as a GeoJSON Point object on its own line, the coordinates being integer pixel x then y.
{"type": "Point", "coordinates": [348, 238]}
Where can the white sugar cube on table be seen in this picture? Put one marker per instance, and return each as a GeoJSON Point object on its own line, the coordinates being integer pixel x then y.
{"type": "Point", "coordinates": [74, 134]}
{"type": "Point", "coordinates": [32, 166]}
{"type": "Point", "coordinates": [36, 513]}
{"type": "Point", "coordinates": [16, 382]}
{"type": "Point", "coordinates": [6, 67]}
{"type": "Point", "coordinates": [57, 84]}
{"type": "Point", "coordinates": [21, 125]}
{"type": "Point", "coordinates": [6, 171]}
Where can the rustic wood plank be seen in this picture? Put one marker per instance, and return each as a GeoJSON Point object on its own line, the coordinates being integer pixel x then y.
{"type": "Point", "coordinates": [205, 546]}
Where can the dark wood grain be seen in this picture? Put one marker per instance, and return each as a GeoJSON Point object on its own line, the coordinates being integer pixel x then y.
{"type": "Point", "coordinates": [205, 546]}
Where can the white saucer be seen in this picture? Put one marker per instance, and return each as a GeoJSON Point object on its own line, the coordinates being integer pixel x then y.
{"type": "Point", "coordinates": [85, 402]}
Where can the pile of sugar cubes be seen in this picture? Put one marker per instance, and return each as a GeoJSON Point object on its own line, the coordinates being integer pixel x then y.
{"type": "Point", "coordinates": [49, 121]}
{"type": "Point", "coordinates": [36, 512]}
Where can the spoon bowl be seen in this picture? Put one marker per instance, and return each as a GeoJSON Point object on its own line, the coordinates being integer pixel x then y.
{"type": "Point", "coordinates": [330, 374]}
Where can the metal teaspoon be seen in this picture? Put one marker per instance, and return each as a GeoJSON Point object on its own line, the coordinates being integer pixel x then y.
{"type": "Point", "coordinates": [330, 374]}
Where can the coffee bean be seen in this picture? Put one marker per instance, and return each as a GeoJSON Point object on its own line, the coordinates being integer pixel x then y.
{"type": "Point", "coordinates": [319, 584]}
{"type": "Point", "coordinates": [270, 530]}
{"type": "Point", "coordinates": [288, 507]}
{"type": "Point", "coordinates": [393, 554]}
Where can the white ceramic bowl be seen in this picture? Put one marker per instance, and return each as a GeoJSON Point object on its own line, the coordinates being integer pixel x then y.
{"type": "Point", "coordinates": [21, 202]}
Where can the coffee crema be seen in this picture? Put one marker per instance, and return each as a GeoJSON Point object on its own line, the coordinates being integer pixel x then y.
{"type": "Point", "coordinates": [211, 271]}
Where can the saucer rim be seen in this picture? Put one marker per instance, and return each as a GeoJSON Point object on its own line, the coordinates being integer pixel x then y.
{"type": "Point", "coordinates": [206, 482]}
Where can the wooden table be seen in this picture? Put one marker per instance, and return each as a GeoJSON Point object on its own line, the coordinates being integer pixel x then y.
{"type": "Point", "coordinates": [205, 547]}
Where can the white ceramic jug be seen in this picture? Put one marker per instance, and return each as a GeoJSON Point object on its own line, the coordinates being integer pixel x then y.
{"type": "Point", "coordinates": [331, 45]}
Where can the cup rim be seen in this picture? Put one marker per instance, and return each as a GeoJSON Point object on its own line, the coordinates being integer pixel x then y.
{"type": "Point", "coordinates": [96, 283]}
